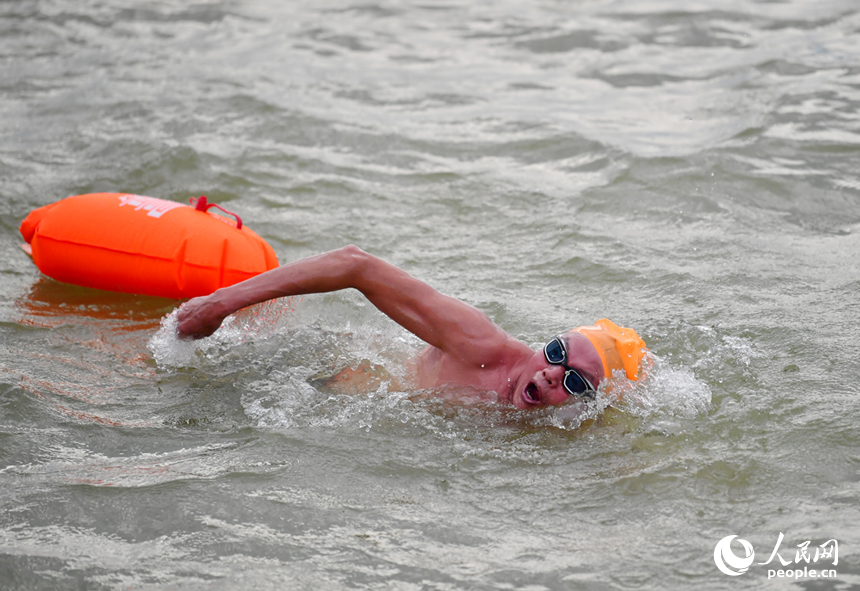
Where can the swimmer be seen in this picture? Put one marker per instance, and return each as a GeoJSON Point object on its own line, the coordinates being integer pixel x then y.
{"type": "Point", "coordinates": [464, 347]}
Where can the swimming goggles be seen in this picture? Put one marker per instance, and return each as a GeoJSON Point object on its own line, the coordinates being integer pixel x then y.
{"type": "Point", "coordinates": [574, 382]}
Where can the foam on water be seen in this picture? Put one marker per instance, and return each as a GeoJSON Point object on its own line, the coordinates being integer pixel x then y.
{"type": "Point", "coordinates": [82, 466]}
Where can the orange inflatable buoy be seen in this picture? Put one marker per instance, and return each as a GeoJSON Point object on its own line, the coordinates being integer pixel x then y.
{"type": "Point", "coordinates": [143, 245]}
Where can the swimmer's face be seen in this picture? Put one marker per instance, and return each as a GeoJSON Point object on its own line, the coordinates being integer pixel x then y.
{"type": "Point", "coordinates": [541, 382]}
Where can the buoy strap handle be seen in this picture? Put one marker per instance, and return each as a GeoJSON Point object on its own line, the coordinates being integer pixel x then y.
{"type": "Point", "coordinates": [201, 204]}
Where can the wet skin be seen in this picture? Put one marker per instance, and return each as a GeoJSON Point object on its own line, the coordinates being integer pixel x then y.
{"type": "Point", "coordinates": [465, 348]}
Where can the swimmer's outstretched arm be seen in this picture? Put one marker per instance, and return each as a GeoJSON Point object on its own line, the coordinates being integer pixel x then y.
{"type": "Point", "coordinates": [442, 321]}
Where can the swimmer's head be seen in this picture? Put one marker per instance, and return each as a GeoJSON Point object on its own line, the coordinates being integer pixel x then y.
{"type": "Point", "coordinates": [586, 355]}
{"type": "Point", "coordinates": [619, 348]}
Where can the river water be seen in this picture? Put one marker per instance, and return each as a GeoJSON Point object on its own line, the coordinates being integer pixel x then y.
{"type": "Point", "coordinates": [689, 169]}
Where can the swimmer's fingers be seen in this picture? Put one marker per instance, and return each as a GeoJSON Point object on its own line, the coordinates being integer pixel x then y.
{"type": "Point", "coordinates": [198, 318]}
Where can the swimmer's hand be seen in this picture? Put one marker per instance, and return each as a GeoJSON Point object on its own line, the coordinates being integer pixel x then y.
{"type": "Point", "coordinates": [200, 317]}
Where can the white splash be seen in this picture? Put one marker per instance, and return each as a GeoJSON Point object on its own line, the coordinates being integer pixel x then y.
{"type": "Point", "coordinates": [666, 391]}
{"type": "Point", "coordinates": [168, 349]}
{"type": "Point", "coordinates": [252, 323]}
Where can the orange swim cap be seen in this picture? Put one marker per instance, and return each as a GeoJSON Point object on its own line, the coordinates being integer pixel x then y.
{"type": "Point", "coordinates": [617, 346]}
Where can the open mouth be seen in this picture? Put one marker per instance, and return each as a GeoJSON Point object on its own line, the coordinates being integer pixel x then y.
{"type": "Point", "coordinates": [531, 393]}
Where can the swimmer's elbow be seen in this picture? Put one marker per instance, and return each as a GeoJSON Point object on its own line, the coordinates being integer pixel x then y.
{"type": "Point", "coordinates": [367, 272]}
{"type": "Point", "coordinates": [354, 258]}
{"type": "Point", "coordinates": [356, 262]}
{"type": "Point", "coordinates": [353, 252]}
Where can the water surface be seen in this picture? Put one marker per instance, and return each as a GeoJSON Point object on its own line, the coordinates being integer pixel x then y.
{"type": "Point", "coordinates": [685, 168]}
